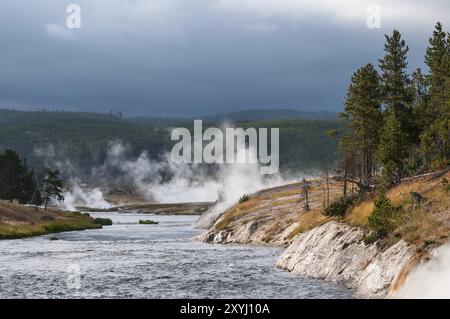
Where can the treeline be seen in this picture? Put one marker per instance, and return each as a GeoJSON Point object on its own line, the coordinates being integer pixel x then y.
{"type": "Point", "coordinates": [18, 183]}
{"type": "Point", "coordinates": [80, 142]}
{"type": "Point", "coordinates": [398, 123]}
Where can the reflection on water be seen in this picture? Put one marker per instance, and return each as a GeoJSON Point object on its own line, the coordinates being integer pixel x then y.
{"type": "Point", "coordinates": [128, 260]}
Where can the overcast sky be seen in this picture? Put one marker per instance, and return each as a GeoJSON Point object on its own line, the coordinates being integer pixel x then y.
{"type": "Point", "coordinates": [190, 57]}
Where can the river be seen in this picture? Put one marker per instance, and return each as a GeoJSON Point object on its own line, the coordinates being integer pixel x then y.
{"type": "Point", "coordinates": [129, 260]}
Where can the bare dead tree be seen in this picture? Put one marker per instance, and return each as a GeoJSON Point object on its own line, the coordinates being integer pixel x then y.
{"type": "Point", "coordinates": [305, 188]}
{"type": "Point", "coordinates": [324, 192]}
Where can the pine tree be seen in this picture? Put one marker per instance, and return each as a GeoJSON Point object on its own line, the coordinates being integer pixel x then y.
{"type": "Point", "coordinates": [437, 59]}
{"type": "Point", "coordinates": [27, 187]}
{"type": "Point", "coordinates": [399, 132]}
{"type": "Point", "coordinates": [392, 151]}
{"type": "Point", "coordinates": [53, 187]}
{"type": "Point", "coordinates": [363, 111]}
{"type": "Point", "coordinates": [420, 93]}
{"type": "Point", "coordinates": [435, 138]}
{"type": "Point", "coordinates": [395, 80]}
{"type": "Point", "coordinates": [381, 220]}
{"type": "Point", "coordinates": [16, 182]}
{"type": "Point", "coordinates": [435, 143]}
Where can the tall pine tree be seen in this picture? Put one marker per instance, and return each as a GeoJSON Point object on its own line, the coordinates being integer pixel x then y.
{"type": "Point", "coordinates": [363, 111]}
{"type": "Point", "coordinates": [437, 59]}
{"type": "Point", "coordinates": [16, 182]}
{"type": "Point", "coordinates": [435, 138]}
{"type": "Point", "coordinates": [399, 131]}
{"type": "Point", "coordinates": [420, 93]}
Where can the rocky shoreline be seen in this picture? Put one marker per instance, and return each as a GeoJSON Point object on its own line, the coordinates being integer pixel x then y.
{"type": "Point", "coordinates": [332, 248]}
{"type": "Point", "coordinates": [335, 252]}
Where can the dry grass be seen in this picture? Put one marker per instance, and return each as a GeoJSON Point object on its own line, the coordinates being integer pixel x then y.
{"type": "Point", "coordinates": [283, 207]}
{"type": "Point", "coordinates": [401, 193]}
{"type": "Point", "coordinates": [235, 212]}
{"type": "Point", "coordinates": [422, 229]}
{"type": "Point", "coordinates": [225, 221]}
{"type": "Point", "coordinates": [286, 193]}
{"type": "Point", "coordinates": [427, 225]}
{"type": "Point", "coordinates": [280, 208]}
{"type": "Point", "coordinates": [358, 215]}
{"type": "Point", "coordinates": [308, 221]}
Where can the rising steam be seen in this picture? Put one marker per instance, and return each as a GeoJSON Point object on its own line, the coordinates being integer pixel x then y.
{"type": "Point", "coordinates": [75, 196]}
{"type": "Point", "coordinates": [162, 181]}
{"type": "Point", "coordinates": [430, 279]}
{"type": "Point", "coordinates": [235, 181]}
{"type": "Point", "coordinates": [165, 181]}
{"type": "Point", "coordinates": [189, 183]}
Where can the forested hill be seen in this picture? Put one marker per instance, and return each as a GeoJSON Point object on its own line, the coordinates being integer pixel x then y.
{"type": "Point", "coordinates": [19, 117]}
{"type": "Point", "coordinates": [83, 138]}
{"type": "Point", "coordinates": [263, 115]}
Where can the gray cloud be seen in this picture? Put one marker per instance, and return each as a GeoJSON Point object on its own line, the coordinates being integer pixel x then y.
{"type": "Point", "coordinates": [184, 57]}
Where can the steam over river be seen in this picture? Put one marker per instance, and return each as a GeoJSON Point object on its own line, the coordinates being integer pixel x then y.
{"type": "Point", "coordinates": [128, 260]}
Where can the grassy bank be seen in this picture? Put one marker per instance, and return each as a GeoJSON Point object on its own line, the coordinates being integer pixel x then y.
{"type": "Point", "coordinates": [277, 215]}
{"type": "Point", "coordinates": [425, 225]}
{"type": "Point", "coordinates": [17, 221]}
{"type": "Point", "coordinates": [197, 208]}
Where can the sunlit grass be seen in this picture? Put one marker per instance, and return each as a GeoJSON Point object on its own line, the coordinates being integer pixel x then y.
{"type": "Point", "coordinates": [18, 221]}
{"type": "Point", "coordinates": [358, 215]}
{"type": "Point", "coordinates": [308, 221]}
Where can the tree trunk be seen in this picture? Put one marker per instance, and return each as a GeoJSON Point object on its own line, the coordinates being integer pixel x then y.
{"type": "Point", "coordinates": [327, 181]}
{"type": "Point", "coordinates": [328, 190]}
{"type": "Point", "coordinates": [345, 182]}
{"type": "Point", "coordinates": [324, 195]}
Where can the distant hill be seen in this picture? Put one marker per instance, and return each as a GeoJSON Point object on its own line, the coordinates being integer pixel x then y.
{"type": "Point", "coordinates": [83, 138]}
{"type": "Point", "coordinates": [262, 115]}
{"type": "Point", "coordinates": [13, 116]}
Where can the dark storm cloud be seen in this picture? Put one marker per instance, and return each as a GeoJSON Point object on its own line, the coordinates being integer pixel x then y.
{"type": "Point", "coordinates": [184, 57]}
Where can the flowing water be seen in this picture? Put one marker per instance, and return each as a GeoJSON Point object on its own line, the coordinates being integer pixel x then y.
{"type": "Point", "coordinates": [129, 260]}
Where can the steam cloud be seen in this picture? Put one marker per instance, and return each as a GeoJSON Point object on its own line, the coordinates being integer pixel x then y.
{"type": "Point", "coordinates": [162, 181]}
{"type": "Point", "coordinates": [166, 181]}
{"type": "Point", "coordinates": [430, 280]}
{"type": "Point", "coordinates": [75, 196]}
{"type": "Point", "coordinates": [237, 180]}
{"type": "Point", "coordinates": [190, 183]}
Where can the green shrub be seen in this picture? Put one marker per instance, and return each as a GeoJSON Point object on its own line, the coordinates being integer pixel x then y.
{"type": "Point", "coordinates": [340, 206]}
{"type": "Point", "coordinates": [103, 221]}
{"type": "Point", "coordinates": [382, 220]}
{"type": "Point", "coordinates": [244, 198]}
{"type": "Point", "coordinates": [147, 222]}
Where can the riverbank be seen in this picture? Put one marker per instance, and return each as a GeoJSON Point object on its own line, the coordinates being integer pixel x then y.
{"type": "Point", "coordinates": [18, 221]}
{"type": "Point", "coordinates": [197, 208]}
{"type": "Point", "coordinates": [334, 248]}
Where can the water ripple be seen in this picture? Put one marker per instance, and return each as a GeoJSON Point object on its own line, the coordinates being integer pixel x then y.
{"type": "Point", "coordinates": [128, 260]}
